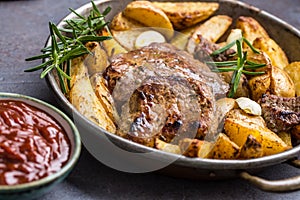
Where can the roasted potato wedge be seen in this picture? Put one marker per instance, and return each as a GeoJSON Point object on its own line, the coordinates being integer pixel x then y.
{"type": "Point", "coordinates": [181, 38]}
{"type": "Point", "coordinates": [84, 99]}
{"type": "Point", "coordinates": [243, 89]}
{"type": "Point", "coordinates": [251, 28]}
{"type": "Point", "coordinates": [243, 116]}
{"type": "Point", "coordinates": [259, 85]}
{"type": "Point", "coordinates": [149, 15]}
{"type": "Point", "coordinates": [224, 105]}
{"type": "Point", "coordinates": [167, 147]}
{"type": "Point", "coordinates": [122, 23]}
{"type": "Point", "coordinates": [187, 14]}
{"type": "Point", "coordinates": [273, 50]}
{"type": "Point", "coordinates": [251, 149]}
{"type": "Point", "coordinates": [99, 86]}
{"type": "Point", "coordinates": [239, 130]}
{"type": "Point", "coordinates": [293, 70]}
{"type": "Point", "coordinates": [224, 148]}
{"type": "Point", "coordinates": [286, 137]}
{"type": "Point", "coordinates": [97, 60]}
{"type": "Point", "coordinates": [79, 70]}
{"type": "Point", "coordinates": [112, 46]}
{"type": "Point", "coordinates": [281, 84]}
{"type": "Point", "coordinates": [212, 30]}
{"type": "Point", "coordinates": [195, 148]}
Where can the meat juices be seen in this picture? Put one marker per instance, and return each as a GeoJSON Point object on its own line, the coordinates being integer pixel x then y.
{"type": "Point", "coordinates": [32, 144]}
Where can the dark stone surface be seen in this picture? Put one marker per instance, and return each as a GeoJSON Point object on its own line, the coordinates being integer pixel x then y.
{"type": "Point", "coordinates": [24, 30]}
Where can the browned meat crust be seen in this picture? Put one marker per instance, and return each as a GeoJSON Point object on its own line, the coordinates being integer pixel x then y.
{"type": "Point", "coordinates": [280, 113]}
{"type": "Point", "coordinates": [164, 92]}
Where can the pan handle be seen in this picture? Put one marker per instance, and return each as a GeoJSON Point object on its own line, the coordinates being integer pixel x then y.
{"type": "Point", "coordinates": [284, 185]}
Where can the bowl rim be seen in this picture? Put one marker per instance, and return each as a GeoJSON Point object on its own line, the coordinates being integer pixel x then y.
{"type": "Point", "coordinates": [75, 151]}
{"type": "Point", "coordinates": [203, 163]}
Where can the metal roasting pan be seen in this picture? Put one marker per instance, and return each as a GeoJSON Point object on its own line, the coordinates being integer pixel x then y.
{"type": "Point", "coordinates": [97, 141]}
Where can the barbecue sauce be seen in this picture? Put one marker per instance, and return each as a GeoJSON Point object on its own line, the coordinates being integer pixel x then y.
{"type": "Point", "coordinates": [32, 144]}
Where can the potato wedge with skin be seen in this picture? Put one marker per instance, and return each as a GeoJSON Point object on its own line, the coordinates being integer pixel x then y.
{"type": "Point", "coordinates": [243, 116]}
{"type": "Point", "coordinates": [225, 105]}
{"type": "Point", "coordinates": [251, 28]}
{"type": "Point", "coordinates": [286, 137]}
{"type": "Point", "coordinates": [99, 86]}
{"type": "Point", "coordinates": [84, 99]}
{"type": "Point", "coordinates": [148, 14]}
{"type": "Point", "coordinates": [97, 61]}
{"type": "Point", "coordinates": [122, 23]}
{"type": "Point", "coordinates": [293, 70]}
{"type": "Point", "coordinates": [281, 84]}
{"type": "Point", "coordinates": [78, 70]}
{"type": "Point", "coordinates": [259, 85]}
{"type": "Point", "coordinates": [195, 148]}
{"type": "Point", "coordinates": [112, 46]}
{"type": "Point", "coordinates": [212, 30]}
{"type": "Point", "coordinates": [181, 38]}
{"type": "Point", "coordinates": [239, 130]}
{"type": "Point", "coordinates": [167, 147]}
{"type": "Point", "coordinates": [243, 89]}
{"type": "Point", "coordinates": [224, 148]}
{"type": "Point", "coordinates": [273, 50]}
{"type": "Point", "coordinates": [251, 149]}
{"type": "Point", "coordinates": [187, 14]}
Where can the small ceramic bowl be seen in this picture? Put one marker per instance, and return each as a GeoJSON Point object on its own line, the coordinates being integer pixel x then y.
{"type": "Point", "coordinates": [35, 189]}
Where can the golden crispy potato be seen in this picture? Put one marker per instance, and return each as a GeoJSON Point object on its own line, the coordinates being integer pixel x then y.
{"type": "Point", "coordinates": [286, 137]}
{"type": "Point", "coordinates": [122, 23]}
{"type": "Point", "coordinates": [243, 89]}
{"type": "Point", "coordinates": [167, 147]}
{"type": "Point", "coordinates": [243, 116]}
{"type": "Point", "coordinates": [187, 14]}
{"type": "Point", "coordinates": [212, 30]}
{"type": "Point", "coordinates": [251, 28]}
{"type": "Point", "coordinates": [97, 61]}
{"type": "Point", "coordinates": [224, 105]}
{"type": "Point", "coordinates": [181, 38]}
{"type": "Point", "coordinates": [281, 84]}
{"type": "Point", "coordinates": [259, 85]}
{"type": "Point", "coordinates": [239, 130]}
{"type": "Point", "coordinates": [112, 46]}
{"type": "Point", "coordinates": [293, 70]}
{"type": "Point", "coordinates": [78, 70]}
{"type": "Point", "coordinates": [224, 148]}
{"type": "Point", "coordinates": [84, 99]}
{"type": "Point", "coordinates": [251, 149]}
{"type": "Point", "coordinates": [273, 50]}
{"type": "Point", "coordinates": [194, 147]}
{"type": "Point", "coordinates": [99, 86]}
{"type": "Point", "coordinates": [149, 15]}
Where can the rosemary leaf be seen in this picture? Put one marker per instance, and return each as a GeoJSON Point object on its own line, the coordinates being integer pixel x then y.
{"type": "Point", "coordinates": [252, 73]}
{"type": "Point", "coordinates": [38, 67]}
{"type": "Point", "coordinates": [42, 56]}
{"type": "Point", "coordinates": [251, 46]}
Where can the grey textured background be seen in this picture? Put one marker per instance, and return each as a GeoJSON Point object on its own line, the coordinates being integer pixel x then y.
{"type": "Point", "coordinates": [24, 30]}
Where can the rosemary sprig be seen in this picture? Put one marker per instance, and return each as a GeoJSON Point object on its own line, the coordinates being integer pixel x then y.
{"type": "Point", "coordinates": [63, 48]}
{"type": "Point", "coordinates": [239, 66]}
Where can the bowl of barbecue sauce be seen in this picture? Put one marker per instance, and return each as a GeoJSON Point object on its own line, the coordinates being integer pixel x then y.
{"type": "Point", "coordinates": [39, 146]}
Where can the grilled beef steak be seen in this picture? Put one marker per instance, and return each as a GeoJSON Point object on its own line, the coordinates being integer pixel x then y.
{"type": "Point", "coordinates": [280, 113]}
{"type": "Point", "coordinates": [162, 92]}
